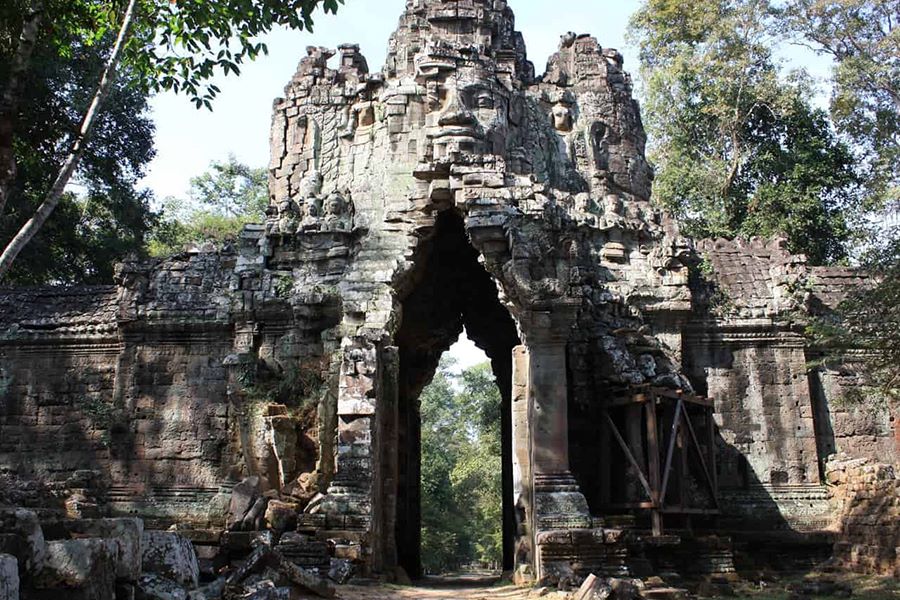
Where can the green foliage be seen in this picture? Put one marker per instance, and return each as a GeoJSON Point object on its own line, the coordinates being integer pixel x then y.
{"type": "Point", "coordinates": [295, 385]}
{"type": "Point", "coordinates": [174, 45]}
{"type": "Point", "coordinates": [801, 182]}
{"type": "Point", "coordinates": [284, 285]}
{"type": "Point", "coordinates": [171, 45]}
{"type": "Point", "coordinates": [101, 414]}
{"type": "Point", "coordinates": [222, 200]}
{"type": "Point", "coordinates": [738, 150]}
{"type": "Point", "coordinates": [181, 45]}
{"type": "Point", "coordinates": [105, 216]}
{"type": "Point", "coordinates": [461, 466]}
{"type": "Point", "coordinates": [863, 38]}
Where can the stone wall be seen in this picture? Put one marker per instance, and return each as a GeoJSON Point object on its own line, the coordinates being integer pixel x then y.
{"type": "Point", "coordinates": [781, 410]}
{"type": "Point", "coordinates": [153, 390]}
{"type": "Point", "coordinates": [866, 501]}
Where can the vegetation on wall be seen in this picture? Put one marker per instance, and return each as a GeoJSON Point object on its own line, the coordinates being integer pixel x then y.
{"type": "Point", "coordinates": [869, 320]}
{"type": "Point", "coordinates": [220, 202]}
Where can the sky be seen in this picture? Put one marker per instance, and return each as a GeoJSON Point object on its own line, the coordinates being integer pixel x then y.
{"type": "Point", "coordinates": [187, 139]}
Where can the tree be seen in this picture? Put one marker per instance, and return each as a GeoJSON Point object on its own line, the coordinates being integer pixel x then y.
{"type": "Point", "coordinates": [863, 38]}
{"type": "Point", "coordinates": [737, 148]}
{"type": "Point", "coordinates": [801, 182]}
{"type": "Point", "coordinates": [222, 200]}
{"type": "Point", "coordinates": [461, 469]}
{"type": "Point", "coordinates": [165, 44]}
{"type": "Point", "coordinates": [105, 216]}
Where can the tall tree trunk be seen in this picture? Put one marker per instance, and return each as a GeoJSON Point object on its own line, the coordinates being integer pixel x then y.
{"type": "Point", "coordinates": [12, 97]}
{"type": "Point", "coordinates": [74, 157]}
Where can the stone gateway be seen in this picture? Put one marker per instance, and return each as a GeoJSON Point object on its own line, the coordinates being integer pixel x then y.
{"type": "Point", "coordinates": [648, 381]}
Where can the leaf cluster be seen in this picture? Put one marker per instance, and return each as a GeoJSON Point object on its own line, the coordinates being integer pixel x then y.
{"type": "Point", "coordinates": [105, 214]}
{"type": "Point", "coordinates": [863, 39]}
{"type": "Point", "coordinates": [868, 320]}
{"type": "Point", "coordinates": [181, 45]}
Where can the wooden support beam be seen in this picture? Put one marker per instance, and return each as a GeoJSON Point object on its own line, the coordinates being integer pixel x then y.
{"type": "Point", "coordinates": [673, 434]}
{"type": "Point", "coordinates": [629, 456]}
{"type": "Point", "coordinates": [709, 479]}
{"type": "Point", "coordinates": [626, 401]}
{"type": "Point", "coordinates": [653, 465]}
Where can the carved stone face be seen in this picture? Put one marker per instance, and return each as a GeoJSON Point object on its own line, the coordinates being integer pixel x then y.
{"type": "Point", "coordinates": [334, 205]}
{"type": "Point", "coordinates": [473, 115]}
{"type": "Point", "coordinates": [284, 206]}
{"type": "Point", "coordinates": [561, 117]}
{"type": "Point", "coordinates": [312, 207]}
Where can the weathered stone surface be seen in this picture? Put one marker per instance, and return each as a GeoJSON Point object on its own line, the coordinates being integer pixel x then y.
{"type": "Point", "coordinates": [21, 536]}
{"type": "Point", "coordinates": [85, 565]}
{"type": "Point", "coordinates": [156, 587]}
{"type": "Point", "coordinates": [243, 496]}
{"type": "Point", "coordinates": [593, 588]}
{"type": "Point", "coordinates": [9, 577]}
{"type": "Point", "coordinates": [170, 556]}
{"type": "Point", "coordinates": [124, 535]}
{"type": "Point", "coordinates": [454, 188]}
{"type": "Point", "coordinates": [865, 496]}
{"type": "Point", "coordinates": [281, 516]}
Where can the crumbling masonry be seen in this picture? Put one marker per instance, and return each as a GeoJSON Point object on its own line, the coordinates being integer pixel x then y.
{"type": "Point", "coordinates": [454, 188]}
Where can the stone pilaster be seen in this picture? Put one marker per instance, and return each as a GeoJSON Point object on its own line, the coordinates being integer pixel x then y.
{"type": "Point", "coordinates": [348, 502]}
{"type": "Point", "coordinates": [558, 501]}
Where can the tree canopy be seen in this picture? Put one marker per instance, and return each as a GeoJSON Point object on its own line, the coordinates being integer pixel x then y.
{"type": "Point", "coordinates": [105, 215]}
{"type": "Point", "coordinates": [221, 201]}
{"type": "Point", "coordinates": [160, 44]}
{"type": "Point", "coordinates": [461, 487]}
{"type": "Point", "coordinates": [863, 39]}
{"type": "Point", "coordinates": [738, 149]}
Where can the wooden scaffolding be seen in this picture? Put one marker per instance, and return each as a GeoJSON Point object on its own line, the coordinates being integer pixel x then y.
{"type": "Point", "coordinates": [668, 445]}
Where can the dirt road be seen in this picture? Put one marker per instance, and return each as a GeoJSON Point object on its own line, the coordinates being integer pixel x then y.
{"type": "Point", "coordinates": [459, 588]}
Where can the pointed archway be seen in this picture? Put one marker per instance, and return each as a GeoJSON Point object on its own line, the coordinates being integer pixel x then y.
{"type": "Point", "coordinates": [451, 290]}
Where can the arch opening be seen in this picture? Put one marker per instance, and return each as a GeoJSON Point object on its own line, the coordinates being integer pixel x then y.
{"type": "Point", "coordinates": [452, 291]}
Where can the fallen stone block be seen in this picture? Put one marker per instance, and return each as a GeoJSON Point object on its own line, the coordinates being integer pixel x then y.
{"type": "Point", "coordinates": [625, 589]}
{"type": "Point", "coordinates": [593, 588]}
{"type": "Point", "coordinates": [171, 556]}
{"type": "Point", "coordinates": [268, 556]}
{"type": "Point", "coordinates": [341, 570]}
{"type": "Point", "coordinates": [22, 538]}
{"type": "Point", "coordinates": [9, 577]}
{"type": "Point", "coordinates": [243, 496]}
{"type": "Point", "coordinates": [155, 587]}
{"type": "Point", "coordinates": [85, 565]}
{"type": "Point", "coordinates": [124, 534]}
{"type": "Point", "coordinates": [254, 517]}
{"type": "Point", "coordinates": [281, 516]}
{"type": "Point", "coordinates": [664, 593]}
